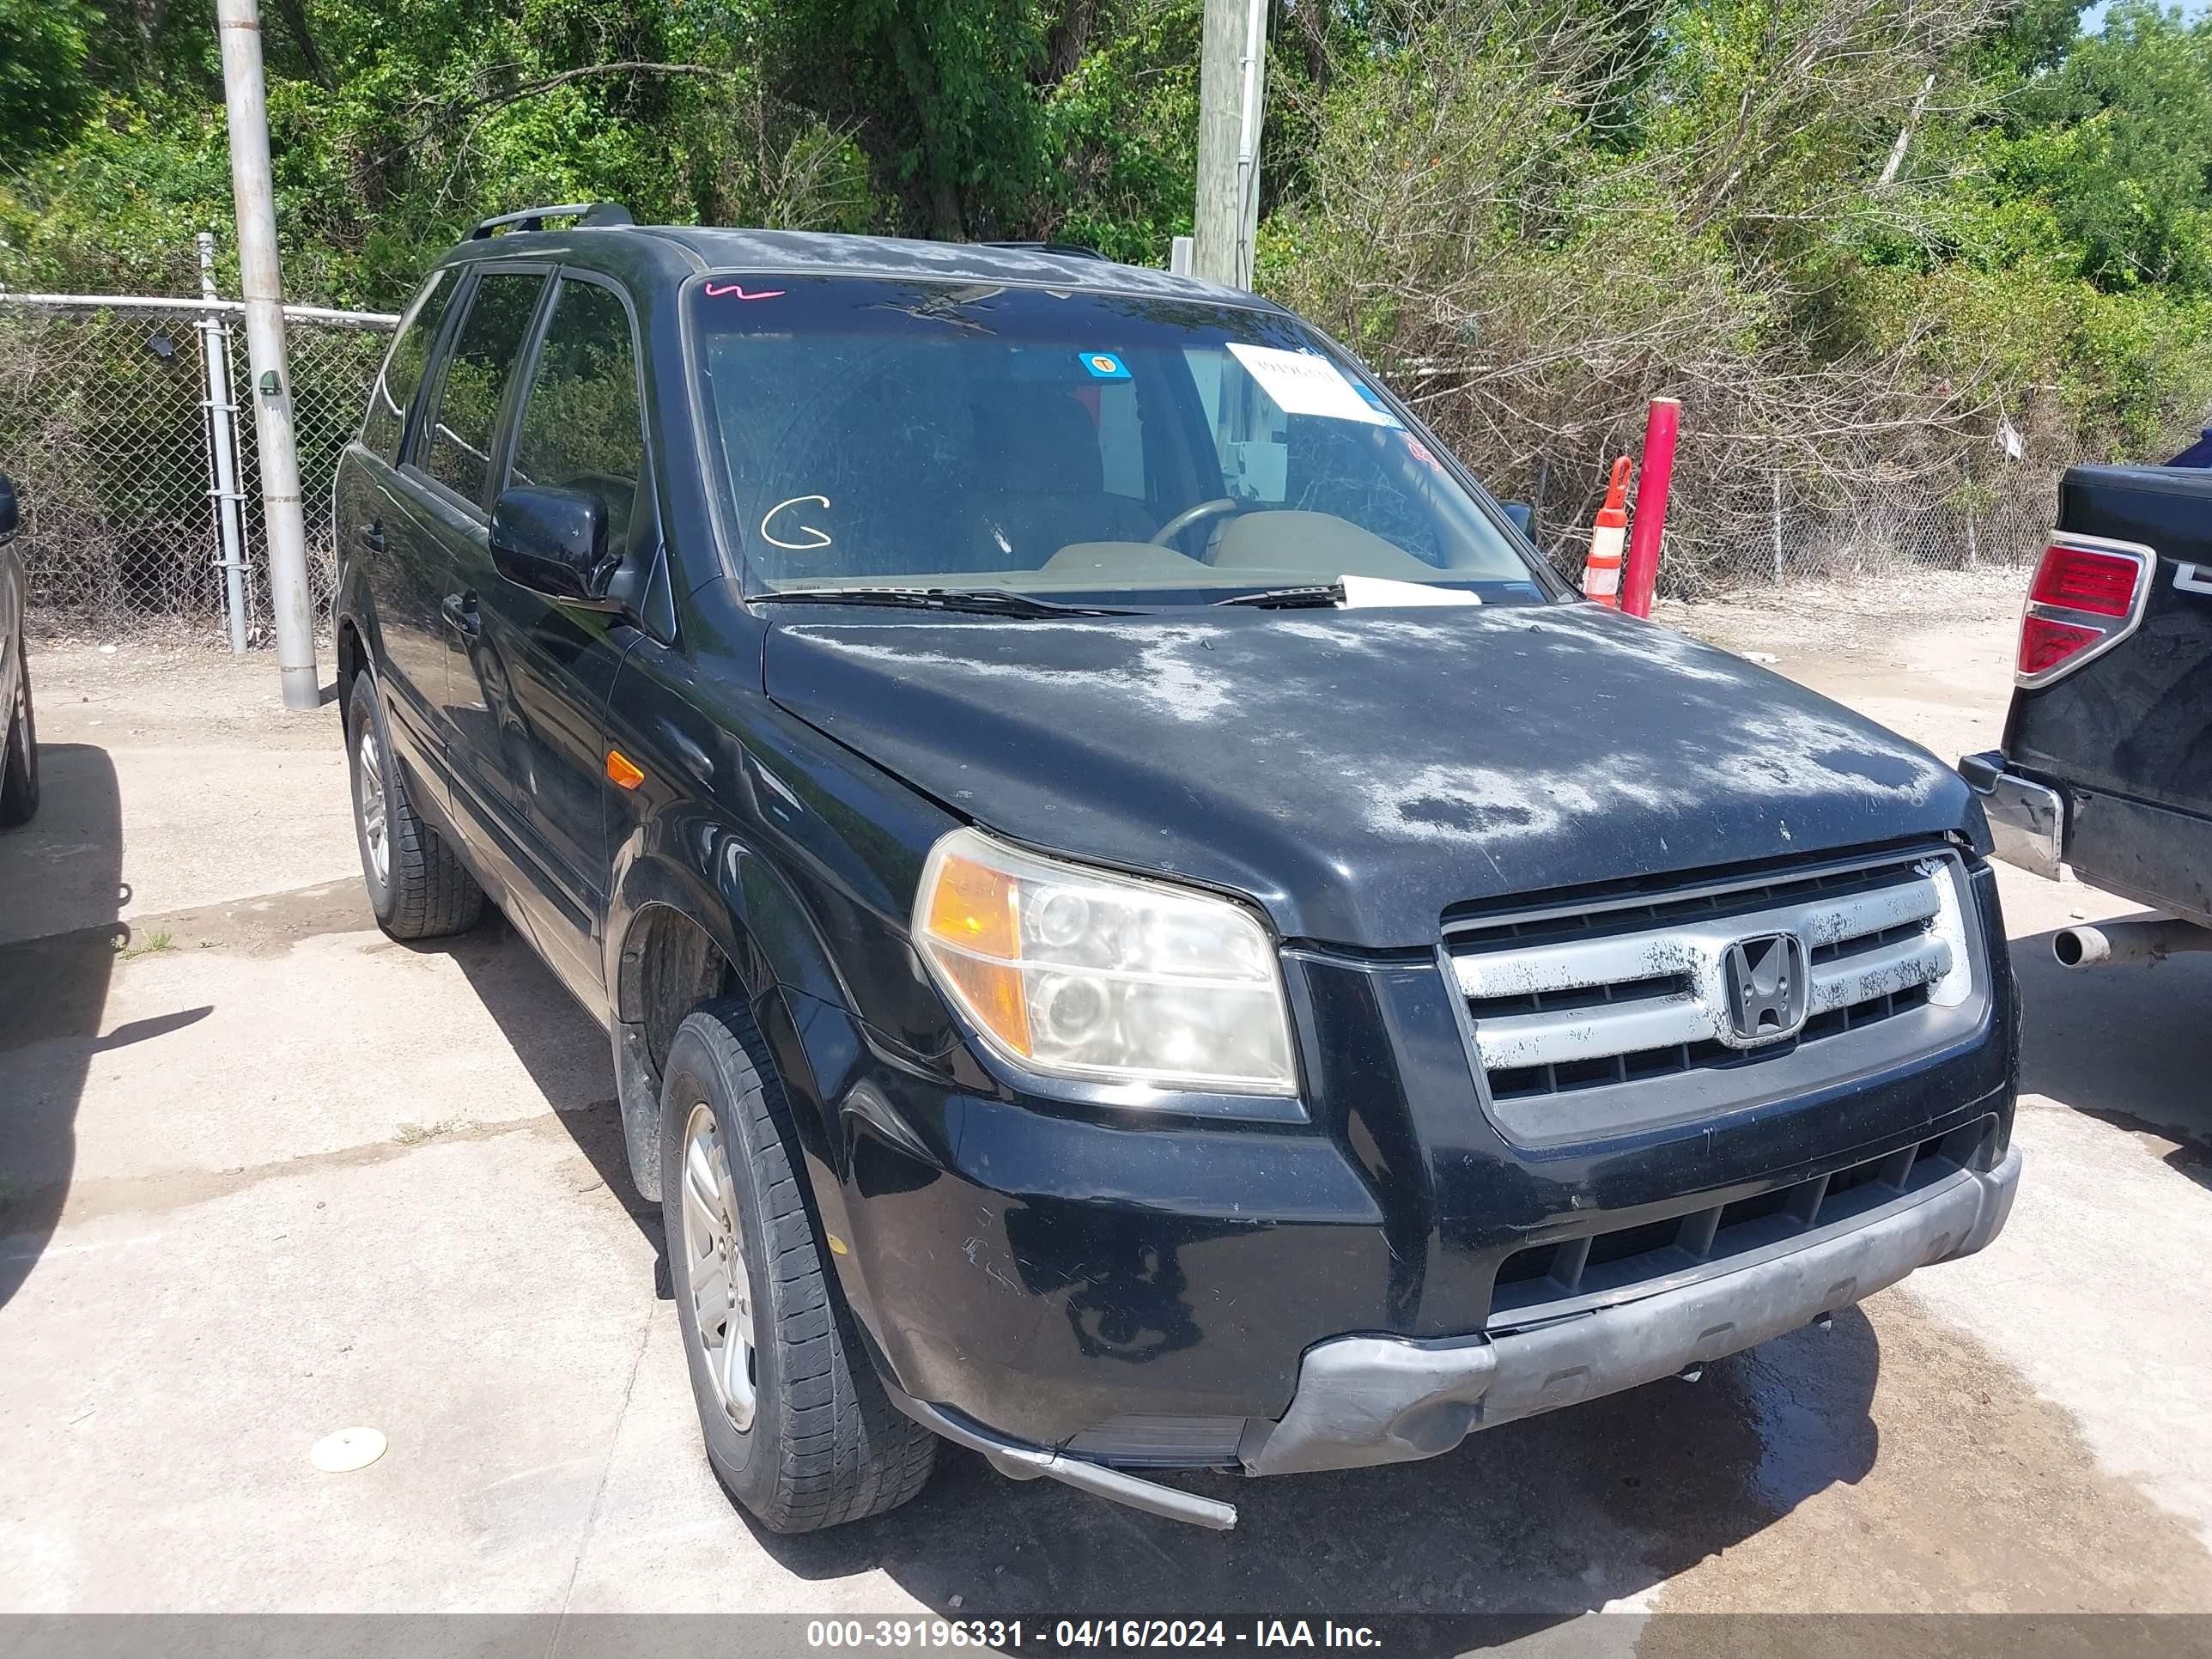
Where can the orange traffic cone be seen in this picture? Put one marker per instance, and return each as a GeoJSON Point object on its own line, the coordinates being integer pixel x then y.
{"type": "Point", "coordinates": [1602, 574]}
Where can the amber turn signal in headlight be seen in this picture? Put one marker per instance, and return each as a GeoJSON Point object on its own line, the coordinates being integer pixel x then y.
{"type": "Point", "coordinates": [1082, 973]}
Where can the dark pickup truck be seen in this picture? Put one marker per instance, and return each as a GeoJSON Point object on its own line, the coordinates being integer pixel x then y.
{"type": "Point", "coordinates": [1141, 928]}
{"type": "Point", "coordinates": [2107, 759]}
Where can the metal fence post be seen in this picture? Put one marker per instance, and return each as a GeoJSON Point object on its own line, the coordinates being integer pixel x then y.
{"type": "Point", "coordinates": [261, 282]}
{"type": "Point", "coordinates": [223, 448]}
{"type": "Point", "coordinates": [1777, 526]}
{"type": "Point", "coordinates": [1536, 506]}
{"type": "Point", "coordinates": [1973, 540]}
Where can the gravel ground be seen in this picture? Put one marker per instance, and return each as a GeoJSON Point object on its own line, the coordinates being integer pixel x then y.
{"type": "Point", "coordinates": [1860, 620]}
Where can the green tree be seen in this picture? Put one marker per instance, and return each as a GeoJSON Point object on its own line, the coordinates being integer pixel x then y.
{"type": "Point", "coordinates": [1537, 211]}
{"type": "Point", "coordinates": [46, 91]}
{"type": "Point", "coordinates": [2115, 140]}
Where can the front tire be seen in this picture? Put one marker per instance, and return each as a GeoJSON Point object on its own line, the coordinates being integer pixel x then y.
{"type": "Point", "coordinates": [417, 884]}
{"type": "Point", "coordinates": [19, 775]}
{"type": "Point", "coordinates": [798, 1427]}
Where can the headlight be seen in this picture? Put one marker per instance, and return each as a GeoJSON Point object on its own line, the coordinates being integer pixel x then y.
{"type": "Point", "coordinates": [1082, 974]}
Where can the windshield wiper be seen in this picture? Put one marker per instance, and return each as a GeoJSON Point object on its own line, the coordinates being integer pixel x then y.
{"type": "Point", "coordinates": [988, 601]}
{"type": "Point", "coordinates": [1290, 598]}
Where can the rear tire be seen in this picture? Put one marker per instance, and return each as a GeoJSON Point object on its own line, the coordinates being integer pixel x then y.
{"type": "Point", "coordinates": [417, 884]}
{"type": "Point", "coordinates": [806, 1438]}
{"type": "Point", "coordinates": [19, 793]}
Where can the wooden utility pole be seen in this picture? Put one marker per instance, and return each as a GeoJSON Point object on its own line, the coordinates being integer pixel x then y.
{"type": "Point", "coordinates": [1222, 80]}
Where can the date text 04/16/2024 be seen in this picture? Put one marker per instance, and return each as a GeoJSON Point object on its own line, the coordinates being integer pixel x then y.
{"type": "Point", "coordinates": [1015, 1634]}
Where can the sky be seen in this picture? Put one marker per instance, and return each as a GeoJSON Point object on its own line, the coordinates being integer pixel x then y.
{"type": "Point", "coordinates": [2093, 18]}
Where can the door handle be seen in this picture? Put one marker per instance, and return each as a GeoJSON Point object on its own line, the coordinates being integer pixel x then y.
{"type": "Point", "coordinates": [459, 611]}
{"type": "Point", "coordinates": [372, 537]}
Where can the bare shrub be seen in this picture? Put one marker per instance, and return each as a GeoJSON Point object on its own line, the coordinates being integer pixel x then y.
{"type": "Point", "coordinates": [1488, 224]}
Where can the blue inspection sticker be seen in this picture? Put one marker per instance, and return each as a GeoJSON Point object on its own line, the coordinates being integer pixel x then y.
{"type": "Point", "coordinates": [1103, 366]}
{"type": "Point", "coordinates": [1374, 402]}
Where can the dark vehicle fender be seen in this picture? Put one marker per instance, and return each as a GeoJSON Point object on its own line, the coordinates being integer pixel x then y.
{"type": "Point", "coordinates": [783, 969]}
{"type": "Point", "coordinates": [352, 606]}
{"type": "Point", "coordinates": [708, 876]}
{"type": "Point", "coordinates": [354, 627]}
{"type": "Point", "coordinates": [359, 646]}
{"type": "Point", "coordinates": [360, 643]}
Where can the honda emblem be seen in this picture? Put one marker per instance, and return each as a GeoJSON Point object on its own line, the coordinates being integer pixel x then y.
{"type": "Point", "coordinates": [1766, 986]}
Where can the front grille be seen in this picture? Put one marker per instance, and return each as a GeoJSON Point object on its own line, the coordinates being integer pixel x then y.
{"type": "Point", "coordinates": [1572, 1276]}
{"type": "Point", "coordinates": [1625, 990]}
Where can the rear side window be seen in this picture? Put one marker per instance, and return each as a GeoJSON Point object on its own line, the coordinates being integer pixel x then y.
{"type": "Point", "coordinates": [458, 454]}
{"type": "Point", "coordinates": [581, 428]}
{"type": "Point", "coordinates": [402, 368]}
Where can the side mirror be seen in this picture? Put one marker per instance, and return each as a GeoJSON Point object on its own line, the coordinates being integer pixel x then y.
{"type": "Point", "coordinates": [1523, 517]}
{"type": "Point", "coordinates": [7, 508]}
{"type": "Point", "coordinates": [554, 541]}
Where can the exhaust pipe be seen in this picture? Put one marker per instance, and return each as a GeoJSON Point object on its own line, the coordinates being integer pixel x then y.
{"type": "Point", "coordinates": [2114, 942]}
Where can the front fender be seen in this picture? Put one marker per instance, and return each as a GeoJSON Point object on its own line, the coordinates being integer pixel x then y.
{"type": "Point", "coordinates": [785, 972]}
{"type": "Point", "coordinates": [797, 859]}
{"type": "Point", "coordinates": [704, 870]}
{"type": "Point", "coordinates": [695, 868]}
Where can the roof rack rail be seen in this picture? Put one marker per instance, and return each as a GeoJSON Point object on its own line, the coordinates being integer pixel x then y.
{"type": "Point", "coordinates": [1072, 250]}
{"type": "Point", "coordinates": [585, 213]}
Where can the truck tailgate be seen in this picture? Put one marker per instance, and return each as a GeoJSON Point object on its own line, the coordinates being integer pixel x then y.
{"type": "Point", "coordinates": [2128, 735]}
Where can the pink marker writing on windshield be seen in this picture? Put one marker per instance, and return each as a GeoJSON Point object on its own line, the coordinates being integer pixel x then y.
{"type": "Point", "coordinates": [739, 289]}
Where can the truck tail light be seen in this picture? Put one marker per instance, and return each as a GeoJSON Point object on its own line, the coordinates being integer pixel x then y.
{"type": "Point", "coordinates": [2088, 596]}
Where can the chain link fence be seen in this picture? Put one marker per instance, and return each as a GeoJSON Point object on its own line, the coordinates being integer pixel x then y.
{"type": "Point", "coordinates": [105, 427]}
{"type": "Point", "coordinates": [1989, 509]}
{"type": "Point", "coordinates": [1981, 506]}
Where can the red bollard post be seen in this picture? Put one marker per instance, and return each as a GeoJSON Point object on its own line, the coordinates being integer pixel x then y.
{"type": "Point", "coordinates": [1656, 474]}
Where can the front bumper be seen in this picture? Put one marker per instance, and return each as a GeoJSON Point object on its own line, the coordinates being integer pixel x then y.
{"type": "Point", "coordinates": [2027, 822]}
{"type": "Point", "coordinates": [1366, 1400]}
{"type": "Point", "coordinates": [1363, 1401]}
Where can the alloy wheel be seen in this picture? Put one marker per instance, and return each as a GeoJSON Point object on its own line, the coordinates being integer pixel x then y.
{"type": "Point", "coordinates": [715, 1264]}
{"type": "Point", "coordinates": [375, 828]}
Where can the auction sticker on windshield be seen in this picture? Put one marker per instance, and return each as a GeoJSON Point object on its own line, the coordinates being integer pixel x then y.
{"type": "Point", "coordinates": [1374, 401]}
{"type": "Point", "coordinates": [1304, 384]}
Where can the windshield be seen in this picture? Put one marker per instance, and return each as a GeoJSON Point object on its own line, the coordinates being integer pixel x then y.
{"type": "Point", "coordinates": [878, 433]}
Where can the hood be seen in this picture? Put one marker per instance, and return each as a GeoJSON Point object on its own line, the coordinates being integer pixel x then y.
{"type": "Point", "coordinates": [1358, 772]}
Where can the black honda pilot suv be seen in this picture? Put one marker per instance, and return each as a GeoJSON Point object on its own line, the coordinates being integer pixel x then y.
{"type": "Point", "coordinates": [1142, 928]}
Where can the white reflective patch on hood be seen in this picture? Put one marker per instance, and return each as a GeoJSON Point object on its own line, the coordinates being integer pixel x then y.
{"type": "Point", "coordinates": [1166, 671]}
{"type": "Point", "coordinates": [1781, 756]}
{"type": "Point", "coordinates": [1590, 628]}
{"type": "Point", "coordinates": [1790, 752]}
{"type": "Point", "coordinates": [1481, 802]}
{"type": "Point", "coordinates": [1370, 634]}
